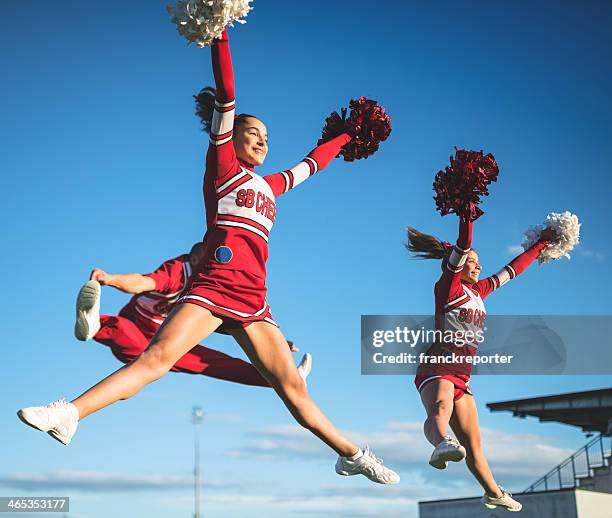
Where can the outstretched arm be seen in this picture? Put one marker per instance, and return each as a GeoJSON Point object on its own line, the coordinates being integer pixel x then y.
{"type": "Point", "coordinates": [127, 282]}
{"type": "Point", "coordinates": [316, 160]}
{"type": "Point", "coordinates": [167, 278]}
{"type": "Point", "coordinates": [221, 159]}
{"type": "Point", "coordinates": [517, 266]}
{"type": "Point", "coordinates": [449, 292]}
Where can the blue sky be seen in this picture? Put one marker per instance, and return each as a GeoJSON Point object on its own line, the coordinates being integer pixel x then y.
{"type": "Point", "coordinates": [102, 163]}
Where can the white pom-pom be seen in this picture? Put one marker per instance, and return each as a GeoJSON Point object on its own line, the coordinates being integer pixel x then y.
{"type": "Point", "coordinates": [567, 228]}
{"type": "Point", "coordinates": [203, 21]}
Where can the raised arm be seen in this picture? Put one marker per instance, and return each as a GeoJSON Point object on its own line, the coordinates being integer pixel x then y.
{"type": "Point", "coordinates": [221, 159]}
{"type": "Point", "coordinates": [449, 292]}
{"type": "Point", "coordinates": [515, 267]}
{"type": "Point", "coordinates": [133, 283]}
{"type": "Point", "coordinates": [316, 160]}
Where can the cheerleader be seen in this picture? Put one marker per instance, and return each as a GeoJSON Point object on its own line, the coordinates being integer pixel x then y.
{"type": "Point", "coordinates": [154, 294]}
{"type": "Point", "coordinates": [444, 388]}
{"type": "Point", "coordinates": [228, 289]}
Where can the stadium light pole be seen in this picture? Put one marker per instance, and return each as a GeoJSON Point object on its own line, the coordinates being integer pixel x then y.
{"type": "Point", "coordinates": [197, 416]}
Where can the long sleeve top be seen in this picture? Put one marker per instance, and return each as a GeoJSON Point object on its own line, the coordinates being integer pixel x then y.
{"type": "Point", "coordinates": [240, 204]}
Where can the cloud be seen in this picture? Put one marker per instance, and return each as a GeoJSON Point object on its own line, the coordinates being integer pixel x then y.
{"type": "Point", "coordinates": [339, 501]}
{"type": "Point", "coordinates": [596, 255]}
{"type": "Point", "coordinates": [356, 498]}
{"type": "Point", "coordinates": [224, 418]}
{"type": "Point", "coordinates": [593, 254]}
{"type": "Point", "coordinates": [281, 441]}
{"type": "Point", "coordinates": [88, 481]}
{"type": "Point", "coordinates": [528, 455]}
{"type": "Point", "coordinates": [403, 446]}
{"type": "Point", "coordinates": [515, 458]}
{"type": "Point", "coordinates": [514, 249]}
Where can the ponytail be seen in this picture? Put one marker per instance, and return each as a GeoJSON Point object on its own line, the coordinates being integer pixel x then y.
{"type": "Point", "coordinates": [424, 246]}
{"type": "Point", "coordinates": [205, 107]}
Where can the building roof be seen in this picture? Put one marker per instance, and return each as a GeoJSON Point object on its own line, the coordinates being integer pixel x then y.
{"type": "Point", "coordinates": [590, 410]}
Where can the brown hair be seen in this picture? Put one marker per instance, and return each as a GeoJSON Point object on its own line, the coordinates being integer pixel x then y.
{"type": "Point", "coordinates": [424, 246]}
{"type": "Point", "coordinates": [196, 247]}
{"type": "Point", "coordinates": [205, 105]}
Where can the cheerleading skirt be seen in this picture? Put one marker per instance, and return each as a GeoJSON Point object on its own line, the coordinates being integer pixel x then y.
{"type": "Point", "coordinates": [457, 374]}
{"type": "Point", "coordinates": [462, 386]}
{"type": "Point", "coordinates": [235, 296]}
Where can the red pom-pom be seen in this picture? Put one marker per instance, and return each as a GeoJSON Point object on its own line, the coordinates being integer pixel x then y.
{"type": "Point", "coordinates": [459, 187]}
{"type": "Point", "coordinates": [367, 123]}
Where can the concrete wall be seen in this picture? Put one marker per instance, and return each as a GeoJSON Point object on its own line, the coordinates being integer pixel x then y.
{"type": "Point", "coordinates": [601, 480]}
{"type": "Point", "coordinates": [593, 505]}
{"type": "Point", "coordinates": [566, 503]}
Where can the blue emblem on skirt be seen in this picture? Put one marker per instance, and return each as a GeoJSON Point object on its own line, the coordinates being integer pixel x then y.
{"type": "Point", "coordinates": [223, 254]}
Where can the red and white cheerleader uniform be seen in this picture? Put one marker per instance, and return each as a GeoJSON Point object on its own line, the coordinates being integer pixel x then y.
{"type": "Point", "coordinates": [230, 281]}
{"type": "Point", "coordinates": [460, 308]}
{"type": "Point", "coordinates": [129, 333]}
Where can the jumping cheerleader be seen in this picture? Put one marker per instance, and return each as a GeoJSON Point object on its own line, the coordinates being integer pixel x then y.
{"type": "Point", "coordinates": [128, 333]}
{"type": "Point", "coordinates": [229, 287]}
{"type": "Point", "coordinates": [443, 387]}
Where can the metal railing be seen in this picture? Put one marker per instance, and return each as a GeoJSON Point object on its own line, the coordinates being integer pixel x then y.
{"type": "Point", "coordinates": [580, 465]}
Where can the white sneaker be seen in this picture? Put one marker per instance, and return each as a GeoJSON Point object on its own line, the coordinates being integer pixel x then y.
{"type": "Point", "coordinates": [88, 311]}
{"type": "Point", "coordinates": [59, 419]}
{"type": "Point", "coordinates": [369, 465]}
{"type": "Point", "coordinates": [305, 366]}
{"type": "Point", "coordinates": [448, 449]}
{"type": "Point", "coordinates": [292, 347]}
{"type": "Point", "coordinates": [506, 501]}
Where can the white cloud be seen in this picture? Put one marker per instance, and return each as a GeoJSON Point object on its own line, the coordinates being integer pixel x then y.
{"type": "Point", "coordinates": [281, 440]}
{"type": "Point", "coordinates": [89, 481]}
{"type": "Point", "coordinates": [225, 418]}
{"type": "Point", "coordinates": [355, 498]}
{"type": "Point", "coordinates": [403, 446]}
{"type": "Point", "coordinates": [528, 455]}
{"type": "Point", "coordinates": [514, 249]}
{"type": "Point", "coordinates": [338, 501]}
{"type": "Point", "coordinates": [593, 254]}
{"type": "Point", "coordinates": [516, 458]}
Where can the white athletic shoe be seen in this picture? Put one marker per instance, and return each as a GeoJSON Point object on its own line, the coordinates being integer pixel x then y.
{"type": "Point", "coordinates": [88, 311]}
{"type": "Point", "coordinates": [506, 501]}
{"type": "Point", "coordinates": [368, 465]}
{"type": "Point", "coordinates": [59, 419]}
{"type": "Point", "coordinates": [448, 449]}
{"type": "Point", "coordinates": [305, 366]}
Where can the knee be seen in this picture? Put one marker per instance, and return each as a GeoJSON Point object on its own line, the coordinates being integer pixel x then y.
{"type": "Point", "coordinates": [299, 399]}
{"type": "Point", "coordinates": [296, 392]}
{"type": "Point", "coordinates": [440, 408]}
{"type": "Point", "coordinates": [154, 361]}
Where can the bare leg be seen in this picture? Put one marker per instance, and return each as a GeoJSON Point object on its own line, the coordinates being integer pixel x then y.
{"type": "Point", "coordinates": [267, 349]}
{"type": "Point", "coordinates": [437, 397]}
{"type": "Point", "coordinates": [126, 341]}
{"type": "Point", "coordinates": [186, 325]}
{"type": "Point", "coordinates": [464, 423]}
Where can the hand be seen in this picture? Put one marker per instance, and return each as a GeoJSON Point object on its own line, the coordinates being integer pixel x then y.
{"type": "Point", "coordinates": [548, 234]}
{"type": "Point", "coordinates": [101, 276]}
